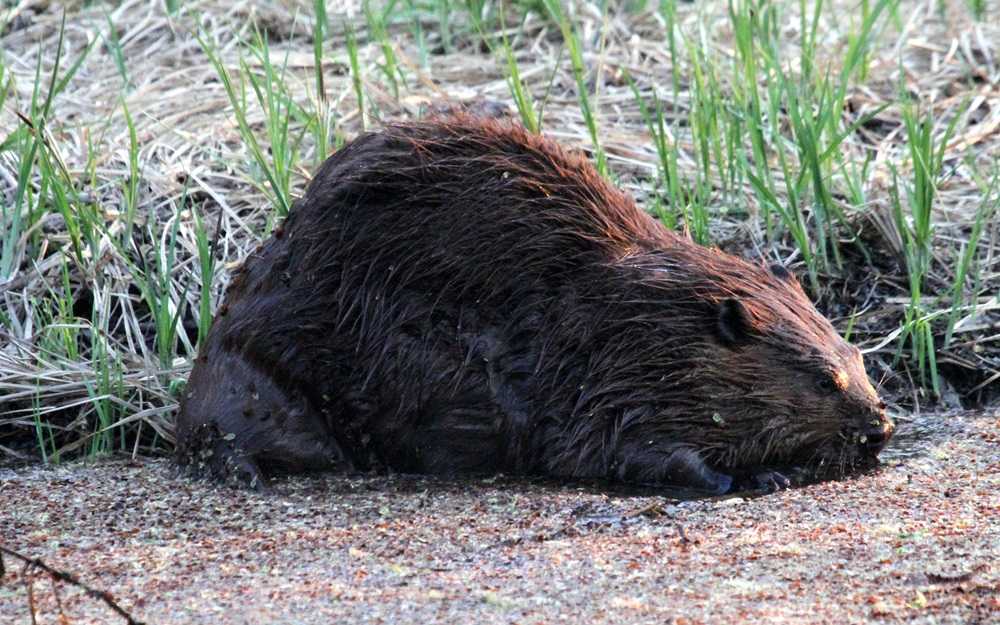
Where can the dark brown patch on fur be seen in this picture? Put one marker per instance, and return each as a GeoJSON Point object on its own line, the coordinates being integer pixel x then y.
{"type": "Point", "coordinates": [463, 296]}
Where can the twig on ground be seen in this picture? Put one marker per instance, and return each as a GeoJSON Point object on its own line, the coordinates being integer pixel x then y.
{"type": "Point", "coordinates": [60, 576]}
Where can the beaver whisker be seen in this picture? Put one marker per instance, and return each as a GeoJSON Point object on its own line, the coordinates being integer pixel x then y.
{"type": "Point", "coordinates": [815, 462]}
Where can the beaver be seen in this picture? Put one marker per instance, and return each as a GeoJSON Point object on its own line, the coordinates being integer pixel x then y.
{"type": "Point", "coordinates": [463, 296]}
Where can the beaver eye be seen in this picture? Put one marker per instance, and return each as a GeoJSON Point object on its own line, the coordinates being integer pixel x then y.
{"type": "Point", "coordinates": [826, 384]}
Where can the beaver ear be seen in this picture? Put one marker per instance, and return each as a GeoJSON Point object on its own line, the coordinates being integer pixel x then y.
{"type": "Point", "coordinates": [781, 272]}
{"type": "Point", "coordinates": [733, 325]}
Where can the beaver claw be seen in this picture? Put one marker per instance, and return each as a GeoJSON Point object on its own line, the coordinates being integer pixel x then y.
{"type": "Point", "coordinates": [243, 472]}
{"type": "Point", "coordinates": [769, 481]}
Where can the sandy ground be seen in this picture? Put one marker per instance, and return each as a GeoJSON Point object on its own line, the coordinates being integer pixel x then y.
{"type": "Point", "coordinates": [916, 542]}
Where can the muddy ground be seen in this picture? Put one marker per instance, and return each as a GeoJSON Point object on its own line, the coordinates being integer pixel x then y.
{"type": "Point", "coordinates": [916, 542]}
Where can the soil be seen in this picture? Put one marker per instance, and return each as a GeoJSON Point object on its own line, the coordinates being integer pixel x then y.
{"type": "Point", "coordinates": [917, 541]}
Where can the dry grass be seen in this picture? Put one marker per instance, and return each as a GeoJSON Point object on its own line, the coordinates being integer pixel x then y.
{"type": "Point", "coordinates": [83, 352]}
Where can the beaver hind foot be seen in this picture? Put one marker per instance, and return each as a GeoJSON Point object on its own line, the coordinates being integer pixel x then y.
{"type": "Point", "coordinates": [241, 425]}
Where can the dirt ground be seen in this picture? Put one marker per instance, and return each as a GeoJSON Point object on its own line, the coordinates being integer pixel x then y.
{"type": "Point", "coordinates": [916, 542]}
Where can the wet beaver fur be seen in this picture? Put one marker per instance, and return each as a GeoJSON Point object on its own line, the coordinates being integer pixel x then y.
{"type": "Point", "coordinates": [462, 296]}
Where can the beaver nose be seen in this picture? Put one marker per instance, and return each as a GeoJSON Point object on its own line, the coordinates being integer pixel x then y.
{"type": "Point", "coordinates": [875, 437]}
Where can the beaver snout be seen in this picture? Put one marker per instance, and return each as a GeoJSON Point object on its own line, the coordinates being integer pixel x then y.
{"type": "Point", "coordinates": [875, 434]}
{"type": "Point", "coordinates": [875, 439]}
{"type": "Point", "coordinates": [871, 433]}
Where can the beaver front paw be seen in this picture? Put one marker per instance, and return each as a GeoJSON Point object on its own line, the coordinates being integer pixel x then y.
{"type": "Point", "coordinates": [769, 481]}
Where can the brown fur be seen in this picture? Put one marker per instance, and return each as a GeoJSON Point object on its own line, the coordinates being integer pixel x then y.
{"type": "Point", "coordinates": [464, 296]}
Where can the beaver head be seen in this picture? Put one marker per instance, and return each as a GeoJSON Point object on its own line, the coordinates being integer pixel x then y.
{"type": "Point", "coordinates": [778, 385]}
